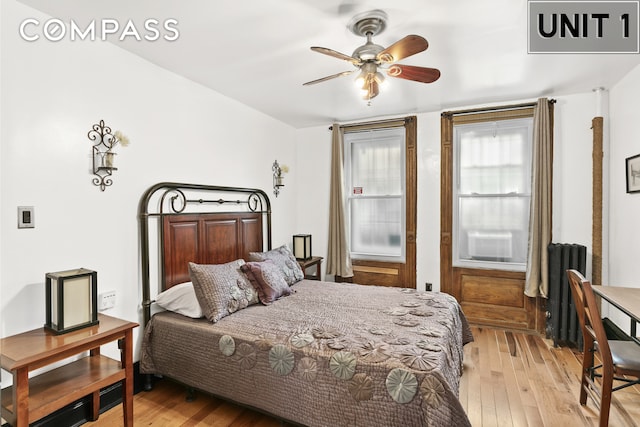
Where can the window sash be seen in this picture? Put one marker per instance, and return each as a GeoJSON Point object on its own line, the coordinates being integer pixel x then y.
{"type": "Point", "coordinates": [376, 208]}
{"type": "Point", "coordinates": [491, 193]}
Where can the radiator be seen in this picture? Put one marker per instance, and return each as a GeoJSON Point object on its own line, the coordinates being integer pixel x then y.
{"type": "Point", "coordinates": [562, 319]}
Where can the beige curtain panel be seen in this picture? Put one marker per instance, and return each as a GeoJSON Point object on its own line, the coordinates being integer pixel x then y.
{"type": "Point", "coordinates": [338, 258]}
{"type": "Point", "coordinates": [537, 281]}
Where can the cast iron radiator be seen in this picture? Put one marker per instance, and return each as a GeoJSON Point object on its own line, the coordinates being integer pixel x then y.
{"type": "Point", "coordinates": [562, 319]}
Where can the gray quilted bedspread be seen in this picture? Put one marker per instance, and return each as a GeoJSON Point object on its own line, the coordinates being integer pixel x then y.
{"type": "Point", "coordinates": [331, 354]}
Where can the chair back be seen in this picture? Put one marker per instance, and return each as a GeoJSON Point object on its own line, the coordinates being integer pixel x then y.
{"type": "Point", "coordinates": [589, 315]}
{"type": "Point", "coordinates": [575, 284]}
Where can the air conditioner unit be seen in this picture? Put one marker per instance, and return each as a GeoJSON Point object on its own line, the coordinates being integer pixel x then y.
{"type": "Point", "coordinates": [490, 244]}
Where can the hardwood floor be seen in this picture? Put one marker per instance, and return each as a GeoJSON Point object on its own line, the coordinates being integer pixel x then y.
{"type": "Point", "coordinates": [509, 379]}
{"type": "Point", "coordinates": [516, 379]}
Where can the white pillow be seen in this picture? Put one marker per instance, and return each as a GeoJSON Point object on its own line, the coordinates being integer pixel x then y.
{"type": "Point", "coordinates": [180, 299]}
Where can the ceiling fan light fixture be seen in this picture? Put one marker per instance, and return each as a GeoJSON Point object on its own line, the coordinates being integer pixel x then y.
{"type": "Point", "coordinates": [371, 60]}
{"type": "Point", "coordinates": [371, 90]}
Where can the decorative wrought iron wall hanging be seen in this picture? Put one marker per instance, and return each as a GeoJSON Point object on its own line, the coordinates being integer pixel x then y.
{"type": "Point", "coordinates": [103, 155]}
{"type": "Point", "coordinates": [278, 176]}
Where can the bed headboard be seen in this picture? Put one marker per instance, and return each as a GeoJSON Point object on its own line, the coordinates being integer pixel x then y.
{"type": "Point", "coordinates": [205, 224]}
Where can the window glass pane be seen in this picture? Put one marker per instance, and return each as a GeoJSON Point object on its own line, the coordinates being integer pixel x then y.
{"type": "Point", "coordinates": [377, 167]}
{"type": "Point", "coordinates": [493, 160]}
{"type": "Point", "coordinates": [376, 162]}
{"type": "Point", "coordinates": [493, 228]}
{"type": "Point", "coordinates": [376, 226]}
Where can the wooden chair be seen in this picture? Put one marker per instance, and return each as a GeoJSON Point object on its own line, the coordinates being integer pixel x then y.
{"type": "Point", "coordinates": [617, 358]}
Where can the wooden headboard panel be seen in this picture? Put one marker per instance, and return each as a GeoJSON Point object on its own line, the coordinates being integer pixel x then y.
{"type": "Point", "coordinates": [182, 223]}
{"type": "Point", "coordinates": [207, 239]}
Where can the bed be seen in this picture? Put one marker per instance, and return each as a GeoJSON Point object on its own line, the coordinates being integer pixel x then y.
{"type": "Point", "coordinates": [312, 353]}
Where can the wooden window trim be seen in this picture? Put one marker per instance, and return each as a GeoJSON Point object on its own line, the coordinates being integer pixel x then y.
{"type": "Point", "coordinates": [447, 122]}
{"type": "Point", "coordinates": [406, 277]}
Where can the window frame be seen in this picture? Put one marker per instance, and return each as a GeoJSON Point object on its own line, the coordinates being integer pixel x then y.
{"type": "Point", "coordinates": [483, 125]}
{"type": "Point", "coordinates": [358, 136]}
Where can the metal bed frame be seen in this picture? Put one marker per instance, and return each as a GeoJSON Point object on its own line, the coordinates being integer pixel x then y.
{"type": "Point", "coordinates": [170, 198]}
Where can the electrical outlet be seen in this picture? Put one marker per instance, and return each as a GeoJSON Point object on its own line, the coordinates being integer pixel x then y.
{"type": "Point", "coordinates": [106, 300]}
{"type": "Point", "coordinates": [428, 286]}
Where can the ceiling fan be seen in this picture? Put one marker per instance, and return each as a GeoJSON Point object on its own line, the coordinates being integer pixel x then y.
{"type": "Point", "coordinates": [371, 59]}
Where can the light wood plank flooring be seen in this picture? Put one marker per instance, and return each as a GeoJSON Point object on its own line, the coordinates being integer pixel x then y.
{"type": "Point", "coordinates": [509, 379]}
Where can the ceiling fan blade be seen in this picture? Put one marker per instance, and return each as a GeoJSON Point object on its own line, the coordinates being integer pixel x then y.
{"type": "Point", "coordinates": [335, 54]}
{"type": "Point", "coordinates": [410, 72]}
{"type": "Point", "coordinates": [324, 79]}
{"type": "Point", "coordinates": [403, 48]}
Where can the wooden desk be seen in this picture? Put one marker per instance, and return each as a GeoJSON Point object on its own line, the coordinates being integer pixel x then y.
{"type": "Point", "coordinates": [314, 261]}
{"type": "Point", "coordinates": [30, 399]}
{"type": "Point", "coordinates": [624, 299]}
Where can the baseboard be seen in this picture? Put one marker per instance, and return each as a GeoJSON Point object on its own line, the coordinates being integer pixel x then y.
{"type": "Point", "coordinates": [78, 412]}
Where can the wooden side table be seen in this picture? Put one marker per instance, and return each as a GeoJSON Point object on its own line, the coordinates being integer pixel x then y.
{"type": "Point", "coordinates": [30, 399]}
{"type": "Point", "coordinates": [314, 261]}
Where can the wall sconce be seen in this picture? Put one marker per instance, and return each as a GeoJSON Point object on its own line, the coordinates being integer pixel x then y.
{"type": "Point", "coordinates": [72, 300]}
{"type": "Point", "coordinates": [103, 155]}
{"type": "Point", "coordinates": [278, 177]}
{"type": "Point", "coordinates": [302, 246]}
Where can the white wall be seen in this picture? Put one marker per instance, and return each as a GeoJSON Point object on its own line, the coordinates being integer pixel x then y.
{"type": "Point", "coordinates": [52, 94]}
{"type": "Point", "coordinates": [571, 185]}
{"type": "Point", "coordinates": [313, 166]}
{"type": "Point", "coordinates": [624, 209]}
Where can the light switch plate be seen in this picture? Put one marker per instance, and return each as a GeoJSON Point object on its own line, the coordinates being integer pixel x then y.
{"type": "Point", "coordinates": [26, 218]}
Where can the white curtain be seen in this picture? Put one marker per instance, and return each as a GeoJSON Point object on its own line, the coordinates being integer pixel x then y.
{"type": "Point", "coordinates": [537, 281]}
{"type": "Point", "coordinates": [338, 258]}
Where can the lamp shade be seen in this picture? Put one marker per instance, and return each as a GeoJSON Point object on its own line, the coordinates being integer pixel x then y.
{"type": "Point", "coordinates": [72, 300]}
{"type": "Point", "coordinates": [302, 246]}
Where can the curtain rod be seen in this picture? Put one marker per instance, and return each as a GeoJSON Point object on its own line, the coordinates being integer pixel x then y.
{"type": "Point", "coordinates": [460, 112]}
{"type": "Point", "coordinates": [497, 108]}
{"type": "Point", "coordinates": [377, 122]}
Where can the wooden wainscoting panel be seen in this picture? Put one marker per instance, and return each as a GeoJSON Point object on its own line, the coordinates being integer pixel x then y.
{"type": "Point", "coordinates": [379, 270]}
{"type": "Point", "coordinates": [483, 314]}
{"type": "Point", "coordinates": [494, 297]}
{"type": "Point", "coordinates": [379, 273]}
{"type": "Point", "coordinates": [492, 290]}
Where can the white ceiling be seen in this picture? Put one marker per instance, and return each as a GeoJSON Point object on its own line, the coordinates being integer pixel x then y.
{"type": "Point", "coordinates": [257, 52]}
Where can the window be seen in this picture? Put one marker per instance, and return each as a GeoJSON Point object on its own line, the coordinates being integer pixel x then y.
{"type": "Point", "coordinates": [375, 179]}
{"type": "Point", "coordinates": [491, 193]}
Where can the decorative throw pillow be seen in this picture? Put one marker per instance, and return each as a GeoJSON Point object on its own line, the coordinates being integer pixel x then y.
{"type": "Point", "coordinates": [180, 299]}
{"type": "Point", "coordinates": [267, 278]}
{"type": "Point", "coordinates": [221, 289]}
{"type": "Point", "coordinates": [284, 259]}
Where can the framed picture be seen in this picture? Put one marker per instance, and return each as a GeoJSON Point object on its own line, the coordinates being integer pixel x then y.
{"type": "Point", "coordinates": [633, 174]}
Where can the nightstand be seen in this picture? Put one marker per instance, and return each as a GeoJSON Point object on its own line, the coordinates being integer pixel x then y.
{"type": "Point", "coordinates": [314, 261]}
{"type": "Point", "coordinates": [30, 399]}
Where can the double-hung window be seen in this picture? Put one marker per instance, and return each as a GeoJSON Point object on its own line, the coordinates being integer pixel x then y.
{"type": "Point", "coordinates": [491, 193]}
{"type": "Point", "coordinates": [375, 182]}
